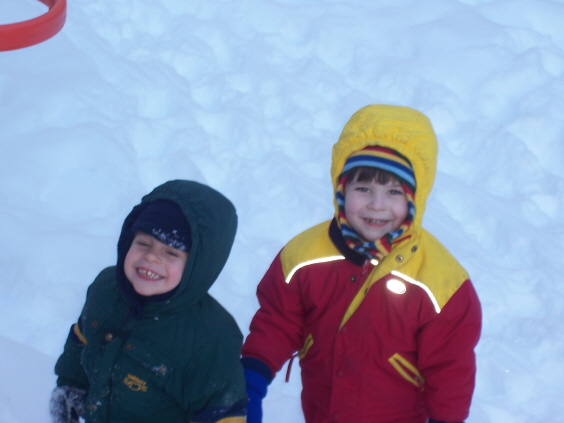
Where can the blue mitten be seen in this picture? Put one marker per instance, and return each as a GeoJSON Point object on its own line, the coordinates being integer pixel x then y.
{"type": "Point", "coordinates": [256, 391]}
{"type": "Point", "coordinates": [258, 376]}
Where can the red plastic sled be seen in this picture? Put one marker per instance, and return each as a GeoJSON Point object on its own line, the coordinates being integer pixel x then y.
{"type": "Point", "coordinates": [34, 31]}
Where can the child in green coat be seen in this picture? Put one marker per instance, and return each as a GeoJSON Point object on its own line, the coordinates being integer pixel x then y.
{"type": "Point", "coordinates": [151, 345]}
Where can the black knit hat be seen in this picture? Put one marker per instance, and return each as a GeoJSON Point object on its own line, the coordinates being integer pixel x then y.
{"type": "Point", "coordinates": [165, 221]}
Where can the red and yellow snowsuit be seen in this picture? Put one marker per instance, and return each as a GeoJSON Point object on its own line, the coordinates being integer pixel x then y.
{"type": "Point", "coordinates": [378, 342]}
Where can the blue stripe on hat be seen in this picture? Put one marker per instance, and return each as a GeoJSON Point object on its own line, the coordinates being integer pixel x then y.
{"type": "Point", "coordinates": [364, 158]}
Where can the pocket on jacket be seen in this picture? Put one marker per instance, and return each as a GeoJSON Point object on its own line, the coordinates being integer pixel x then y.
{"type": "Point", "coordinates": [407, 370]}
{"type": "Point", "coordinates": [306, 346]}
{"type": "Point", "coordinates": [139, 382]}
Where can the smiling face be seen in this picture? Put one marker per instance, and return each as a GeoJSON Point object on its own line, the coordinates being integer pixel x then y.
{"type": "Point", "coordinates": [374, 209]}
{"type": "Point", "coordinates": [153, 267]}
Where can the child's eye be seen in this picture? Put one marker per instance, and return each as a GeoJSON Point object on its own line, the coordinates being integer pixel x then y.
{"type": "Point", "coordinates": [173, 253]}
{"type": "Point", "coordinates": [362, 189]}
{"type": "Point", "coordinates": [396, 192]}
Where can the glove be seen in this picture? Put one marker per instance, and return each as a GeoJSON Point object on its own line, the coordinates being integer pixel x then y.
{"type": "Point", "coordinates": [256, 391]}
{"type": "Point", "coordinates": [67, 404]}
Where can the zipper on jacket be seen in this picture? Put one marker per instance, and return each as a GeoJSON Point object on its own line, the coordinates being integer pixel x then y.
{"type": "Point", "coordinates": [365, 269]}
{"type": "Point", "coordinates": [366, 265]}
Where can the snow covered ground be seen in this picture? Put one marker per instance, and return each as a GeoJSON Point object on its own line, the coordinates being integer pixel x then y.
{"type": "Point", "coordinates": [248, 97]}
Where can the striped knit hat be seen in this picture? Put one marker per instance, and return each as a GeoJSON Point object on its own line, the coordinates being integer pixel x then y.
{"type": "Point", "coordinates": [398, 166]}
{"type": "Point", "coordinates": [382, 158]}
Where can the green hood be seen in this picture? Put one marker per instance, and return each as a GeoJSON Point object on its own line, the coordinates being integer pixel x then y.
{"type": "Point", "coordinates": [213, 224]}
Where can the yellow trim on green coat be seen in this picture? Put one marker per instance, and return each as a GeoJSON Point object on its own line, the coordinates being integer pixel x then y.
{"type": "Point", "coordinates": [79, 334]}
{"type": "Point", "coordinates": [233, 420]}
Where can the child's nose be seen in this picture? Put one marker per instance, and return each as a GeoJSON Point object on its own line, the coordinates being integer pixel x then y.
{"type": "Point", "coordinates": [376, 202]}
{"type": "Point", "coordinates": [152, 256]}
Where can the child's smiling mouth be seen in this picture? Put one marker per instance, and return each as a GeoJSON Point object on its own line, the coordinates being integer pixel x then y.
{"type": "Point", "coordinates": [375, 222]}
{"type": "Point", "coordinates": [147, 274]}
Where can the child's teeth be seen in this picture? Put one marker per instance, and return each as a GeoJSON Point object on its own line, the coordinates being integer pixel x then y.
{"type": "Point", "coordinates": [376, 222]}
{"type": "Point", "coordinates": [148, 274]}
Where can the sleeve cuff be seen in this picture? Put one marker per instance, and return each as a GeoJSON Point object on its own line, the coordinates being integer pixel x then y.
{"type": "Point", "coordinates": [257, 366]}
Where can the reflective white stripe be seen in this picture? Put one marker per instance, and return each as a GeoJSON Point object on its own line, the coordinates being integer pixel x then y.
{"type": "Point", "coordinates": [396, 286]}
{"type": "Point", "coordinates": [307, 263]}
{"type": "Point", "coordinates": [420, 285]}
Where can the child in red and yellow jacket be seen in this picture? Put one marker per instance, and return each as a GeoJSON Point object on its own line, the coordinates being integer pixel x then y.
{"type": "Point", "coordinates": [383, 318]}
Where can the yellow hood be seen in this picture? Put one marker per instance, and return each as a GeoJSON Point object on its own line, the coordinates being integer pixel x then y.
{"type": "Point", "coordinates": [403, 129]}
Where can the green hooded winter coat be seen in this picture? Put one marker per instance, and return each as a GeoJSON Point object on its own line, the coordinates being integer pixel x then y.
{"type": "Point", "coordinates": [170, 361]}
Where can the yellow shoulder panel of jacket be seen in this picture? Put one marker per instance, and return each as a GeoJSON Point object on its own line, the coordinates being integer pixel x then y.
{"type": "Point", "coordinates": [435, 269]}
{"type": "Point", "coordinates": [309, 247]}
{"type": "Point", "coordinates": [430, 267]}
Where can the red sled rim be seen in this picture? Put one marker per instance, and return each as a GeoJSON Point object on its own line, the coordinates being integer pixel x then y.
{"type": "Point", "coordinates": [34, 31]}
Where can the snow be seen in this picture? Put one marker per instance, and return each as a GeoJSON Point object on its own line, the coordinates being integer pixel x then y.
{"type": "Point", "coordinates": [249, 97]}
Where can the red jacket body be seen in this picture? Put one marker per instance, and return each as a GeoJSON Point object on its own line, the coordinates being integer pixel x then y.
{"type": "Point", "coordinates": [400, 356]}
{"type": "Point", "coordinates": [379, 342]}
